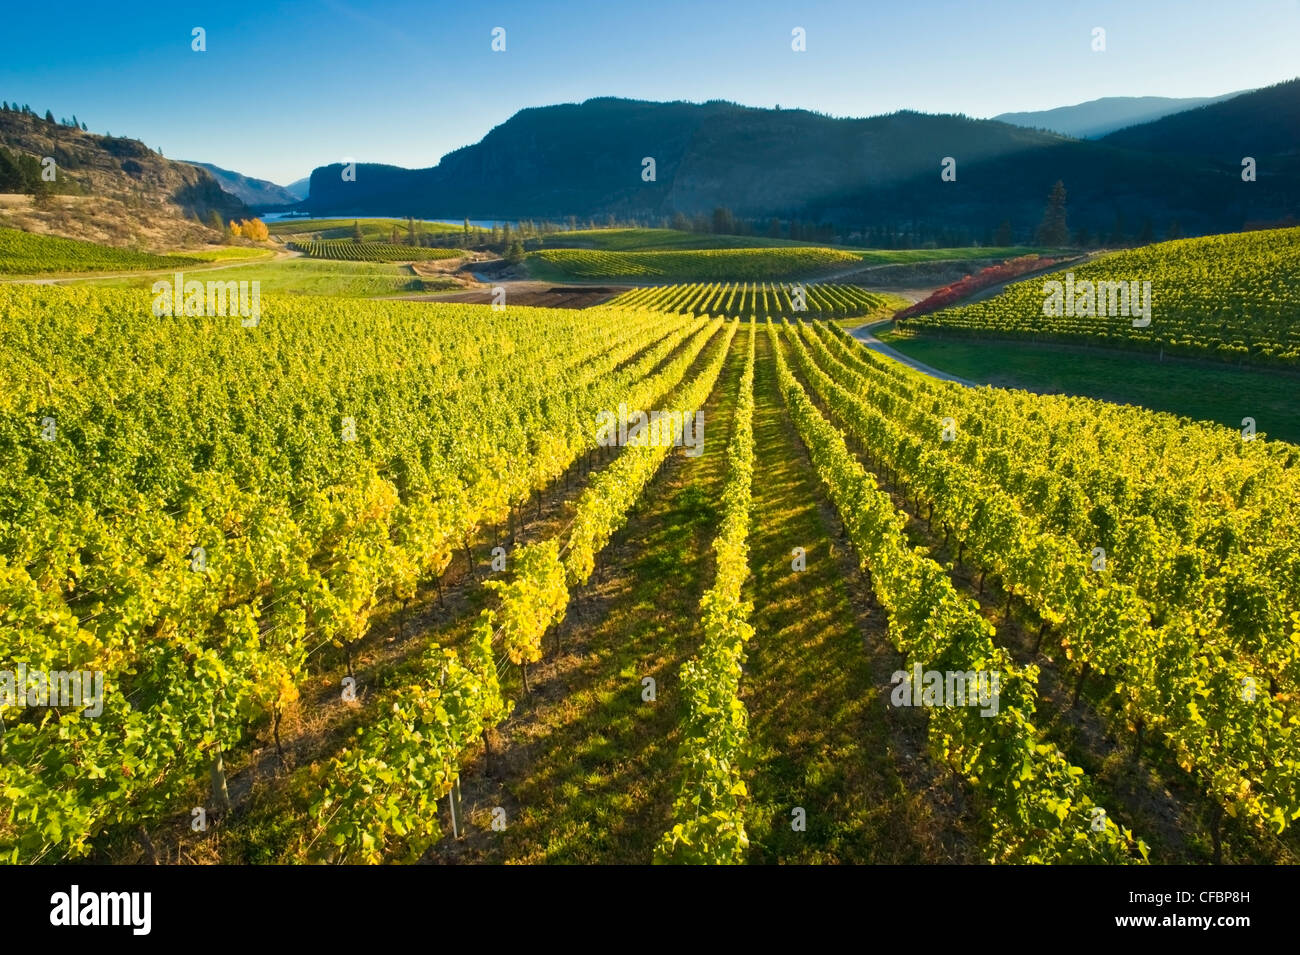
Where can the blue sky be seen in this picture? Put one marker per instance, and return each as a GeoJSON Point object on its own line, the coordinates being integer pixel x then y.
{"type": "Point", "coordinates": [285, 87]}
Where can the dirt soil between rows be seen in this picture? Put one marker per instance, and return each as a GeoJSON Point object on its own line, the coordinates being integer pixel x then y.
{"type": "Point", "coordinates": [543, 294]}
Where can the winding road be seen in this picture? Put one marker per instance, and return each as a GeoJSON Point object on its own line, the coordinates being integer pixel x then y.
{"type": "Point", "coordinates": [864, 334]}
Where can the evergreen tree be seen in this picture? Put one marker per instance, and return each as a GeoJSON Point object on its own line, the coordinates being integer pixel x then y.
{"type": "Point", "coordinates": [1117, 236]}
{"type": "Point", "coordinates": [356, 231]}
{"type": "Point", "coordinates": [11, 175]}
{"type": "Point", "coordinates": [49, 117]}
{"type": "Point", "coordinates": [1053, 231]}
{"type": "Point", "coordinates": [1002, 238]}
{"type": "Point", "coordinates": [214, 220]}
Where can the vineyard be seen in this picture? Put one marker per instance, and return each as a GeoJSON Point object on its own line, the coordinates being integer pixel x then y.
{"type": "Point", "coordinates": [1232, 298]}
{"type": "Point", "coordinates": [27, 253]}
{"type": "Point", "coordinates": [372, 230]}
{"type": "Point", "coordinates": [758, 300]}
{"type": "Point", "coordinates": [349, 251]}
{"type": "Point", "coordinates": [348, 479]}
{"type": "Point", "coordinates": [705, 265]}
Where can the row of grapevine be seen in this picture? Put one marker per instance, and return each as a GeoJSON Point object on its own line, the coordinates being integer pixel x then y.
{"type": "Point", "coordinates": [1178, 670]}
{"type": "Point", "coordinates": [376, 795]}
{"type": "Point", "coordinates": [1224, 297]}
{"type": "Point", "coordinates": [1193, 515]}
{"type": "Point", "coordinates": [351, 251]}
{"type": "Point", "coordinates": [1038, 804]}
{"type": "Point", "coordinates": [694, 265]}
{"type": "Point", "coordinates": [709, 824]}
{"type": "Point", "coordinates": [200, 552]}
{"type": "Point", "coordinates": [30, 253]}
{"type": "Point", "coordinates": [761, 300]}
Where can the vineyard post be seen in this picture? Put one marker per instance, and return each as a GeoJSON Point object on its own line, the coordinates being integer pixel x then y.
{"type": "Point", "coordinates": [469, 558]}
{"type": "Point", "coordinates": [453, 803]}
{"type": "Point", "coordinates": [217, 770]}
{"type": "Point", "coordinates": [150, 852]}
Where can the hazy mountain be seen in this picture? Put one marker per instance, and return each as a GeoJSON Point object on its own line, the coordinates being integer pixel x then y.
{"type": "Point", "coordinates": [1265, 122]}
{"type": "Point", "coordinates": [587, 160]}
{"type": "Point", "coordinates": [1096, 118]}
{"type": "Point", "coordinates": [256, 193]}
{"type": "Point", "coordinates": [299, 187]}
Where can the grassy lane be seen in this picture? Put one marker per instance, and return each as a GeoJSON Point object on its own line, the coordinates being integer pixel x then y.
{"type": "Point", "coordinates": [1200, 390]}
{"type": "Point", "coordinates": [586, 770]}
{"type": "Point", "coordinates": [816, 684]}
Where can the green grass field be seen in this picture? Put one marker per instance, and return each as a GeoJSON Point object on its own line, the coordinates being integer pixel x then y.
{"type": "Point", "coordinates": [715, 263]}
{"type": "Point", "coordinates": [700, 265]}
{"type": "Point", "coordinates": [659, 240]}
{"type": "Point", "coordinates": [317, 277]}
{"type": "Point", "coordinates": [229, 253]}
{"type": "Point", "coordinates": [372, 230]}
{"type": "Point", "coordinates": [1194, 389]}
{"type": "Point", "coordinates": [905, 256]}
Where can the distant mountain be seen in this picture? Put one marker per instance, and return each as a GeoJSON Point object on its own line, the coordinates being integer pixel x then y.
{"type": "Point", "coordinates": [256, 193]}
{"type": "Point", "coordinates": [587, 160]}
{"type": "Point", "coordinates": [1096, 118]}
{"type": "Point", "coordinates": [299, 187]}
{"type": "Point", "coordinates": [1265, 122]}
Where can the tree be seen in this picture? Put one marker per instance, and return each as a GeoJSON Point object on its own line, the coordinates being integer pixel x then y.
{"type": "Point", "coordinates": [83, 127]}
{"type": "Point", "coordinates": [1117, 234]}
{"type": "Point", "coordinates": [1082, 237]}
{"type": "Point", "coordinates": [254, 229]}
{"type": "Point", "coordinates": [1147, 234]}
{"type": "Point", "coordinates": [49, 117]}
{"type": "Point", "coordinates": [724, 222]}
{"type": "Point", "coordinates": [466, 231]}
{"type": "Point", "coordinates": [11, 174]}
{"type": "Point", "coordinates": [356, 231]}
{"type": "Point", "coordinates": [1002, 238]}
{"type": "Point", "coordinates": [774, 228]}
{"type": "Point", "coordinates": [514, 252]}
{"type": "Point", "coordinates": [1053, 231]}
{"type": "Point", "coordinates": [214, 220]}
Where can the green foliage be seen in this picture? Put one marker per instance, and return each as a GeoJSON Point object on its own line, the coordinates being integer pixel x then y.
{"type": "Point", "coordinates": [1196, 599]}
{"type": "Point", "coordinates": [1038, 804]}
{"type": "Point", "coordinates": [709, 818]}
{"type": "Point", "coordinates": [758, 299]}
{"type": "Point", "coordinates": [305, 535]}
{"type": "Point", "coordinates": [354, 250]}
{"type": "Point", "coordinates": [27, 253]}
{"type": "Point", "coordinates": [1224, 297]}
{"type": "Point", "coordinates": [692, 265]}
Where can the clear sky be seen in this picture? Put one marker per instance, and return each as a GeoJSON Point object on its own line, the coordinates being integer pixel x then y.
{"type": "Point", "coordinates": [285, 87]}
